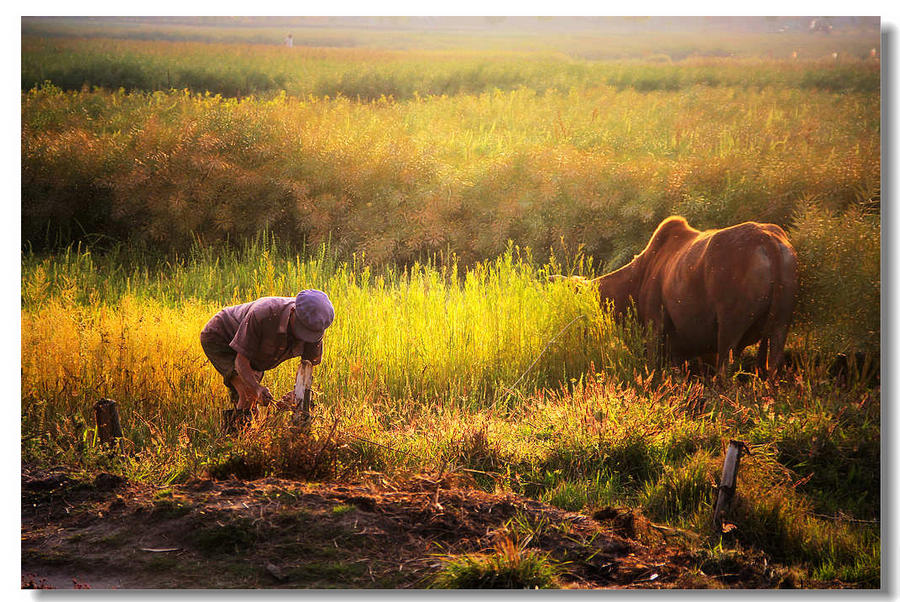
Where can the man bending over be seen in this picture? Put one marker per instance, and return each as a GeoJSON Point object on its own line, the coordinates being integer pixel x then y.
{"type": "Point", "coordinates": [243, 341]}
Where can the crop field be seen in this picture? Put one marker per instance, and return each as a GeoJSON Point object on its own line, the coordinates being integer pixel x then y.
{"type": "Point", "coordinates": [477, 424]}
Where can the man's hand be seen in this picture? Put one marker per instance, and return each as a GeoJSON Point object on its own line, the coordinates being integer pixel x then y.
{"type": "Point", "coordinates": [286, 402]}
{"type": "Point", "coordinates": [247, 383]}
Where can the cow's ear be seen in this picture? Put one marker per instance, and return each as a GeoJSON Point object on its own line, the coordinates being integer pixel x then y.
{"type": "Point", "coordinates": [575, 282]}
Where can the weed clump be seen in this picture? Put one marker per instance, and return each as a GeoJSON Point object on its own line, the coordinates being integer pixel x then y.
{"type": "Point", "coordinates": [271, 448]}
{"type": "Point", "coordinates": [475, 449]}
{"type": "Point", "coordinates": [246, 464]}
{"type": "Point", "coordinates": [685, 492]}
{"type": "Point", "coordinates": [509, 566]}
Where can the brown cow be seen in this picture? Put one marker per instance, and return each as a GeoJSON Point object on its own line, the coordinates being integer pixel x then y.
{"type": "Point", "coordinates": [712, 292]}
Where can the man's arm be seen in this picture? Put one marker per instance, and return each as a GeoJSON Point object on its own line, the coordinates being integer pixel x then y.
{"type": "Point", "coordinates": [246, 338]}
{"type": "Point", "coordinates": [242, 367]}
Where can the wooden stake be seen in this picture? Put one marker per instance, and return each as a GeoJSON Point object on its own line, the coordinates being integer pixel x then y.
{"type": "Point", "coordinates": [303, 394]}
{"type": "Point", "coordinates": [728, 483]}
{"type": "Point", "coordinates": [109, 429]}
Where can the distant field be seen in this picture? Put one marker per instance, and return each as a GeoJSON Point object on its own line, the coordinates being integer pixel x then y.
{"type": "Point", "coordinates": [581, 39]}
{"type": "Point", "coordinates": [369, 72]}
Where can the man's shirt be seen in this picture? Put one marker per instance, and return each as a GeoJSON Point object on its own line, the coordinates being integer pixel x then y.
{"type": "Point", "coordinates": [260, 331]}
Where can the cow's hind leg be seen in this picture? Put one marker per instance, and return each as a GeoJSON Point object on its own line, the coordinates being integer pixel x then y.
{"type": "Point", "coordinates": [728, 347]}
{"type": "Point", "coordinates": [723, 355]}
{"type": "Point", "coordinates": [777, 340]}
{"type": "Point", "coordinates": [762, 355]}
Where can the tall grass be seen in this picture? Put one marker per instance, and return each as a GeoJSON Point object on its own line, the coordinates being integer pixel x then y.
{"type": "Point", "coordinates": [491, 371]}
{"type": "Point", "coordinates": [426, 332]}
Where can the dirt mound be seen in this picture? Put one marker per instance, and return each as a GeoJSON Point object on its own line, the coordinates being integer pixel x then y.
{"type": "Point", "coordinates": [105, 532]}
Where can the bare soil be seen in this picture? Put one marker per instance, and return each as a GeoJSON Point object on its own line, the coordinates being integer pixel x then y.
{"type": "Point", "coordinates": [100, 531]}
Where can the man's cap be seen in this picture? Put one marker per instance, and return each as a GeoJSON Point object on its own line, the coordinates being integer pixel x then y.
{"type": "Point", "coordinates": [313, 313]}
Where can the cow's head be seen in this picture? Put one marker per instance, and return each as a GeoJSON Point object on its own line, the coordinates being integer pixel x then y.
{"type": "Point", "coordinates": [620, 288]}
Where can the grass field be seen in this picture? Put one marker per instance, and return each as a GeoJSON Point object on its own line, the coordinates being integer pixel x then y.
{"type": "Point", "coordinates": [495, 370]}
{"type": "Point", "coordinates": [430, 191]}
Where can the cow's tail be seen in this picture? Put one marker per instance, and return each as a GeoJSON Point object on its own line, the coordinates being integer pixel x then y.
{"type": "Point", "coordinates": [774, 334]}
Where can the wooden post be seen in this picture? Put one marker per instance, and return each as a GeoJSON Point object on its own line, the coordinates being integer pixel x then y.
{"type": "Point", "coordinates": [728, 482]}
{"type": "Point", "coordinates": [109, 429]}
{"type": "Point", "coordinates": [303, 394]}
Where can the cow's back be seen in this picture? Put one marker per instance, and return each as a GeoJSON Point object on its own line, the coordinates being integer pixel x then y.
{"type": "Point", "coordinates": [731, 277]}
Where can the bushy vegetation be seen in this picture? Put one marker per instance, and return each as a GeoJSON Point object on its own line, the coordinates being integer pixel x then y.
{"type": "Point", "coordinates": [400, 181]}
{"type": "Point", "coordinates": [840, 256]}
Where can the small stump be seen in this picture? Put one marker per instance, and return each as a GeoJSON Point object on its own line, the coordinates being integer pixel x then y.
{"type": "Point", "coordinates": [109, 428]}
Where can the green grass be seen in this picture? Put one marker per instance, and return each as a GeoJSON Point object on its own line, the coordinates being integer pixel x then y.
{"type": "Point", "coordinates": [336, 572]}
{"type": "Point", "coordinates": [230, 538]}
{"type": "Point", "coordinates": [169, 509]}
{"type": "Point", "coordinates": [341, 509]}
